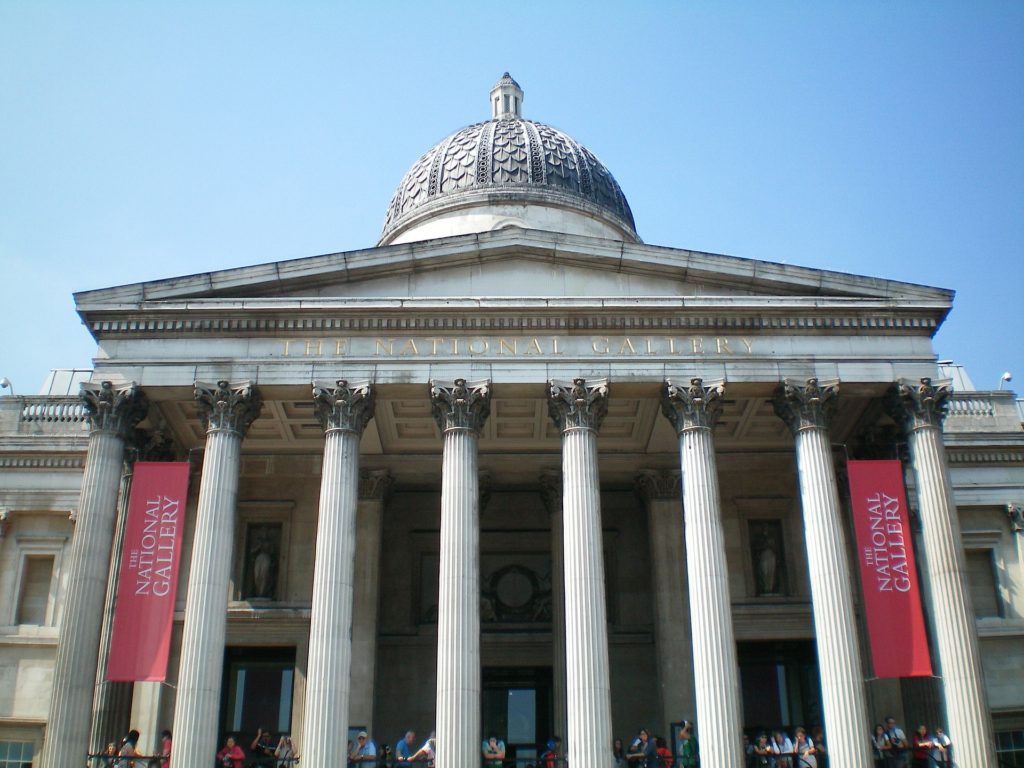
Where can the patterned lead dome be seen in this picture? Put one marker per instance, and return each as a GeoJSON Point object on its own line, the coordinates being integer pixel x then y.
{"type": "Point", "coordinates": [515, 158]}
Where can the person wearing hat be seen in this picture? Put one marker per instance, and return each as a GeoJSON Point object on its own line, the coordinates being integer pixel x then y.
{"type": "Point", "coordinates": [364, 751]}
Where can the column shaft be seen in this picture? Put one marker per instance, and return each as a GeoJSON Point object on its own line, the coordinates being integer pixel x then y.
{"type": "Point", "coordinates": [460, 411]}
{"type": "Point", "coordinates": [715, 670]}
{"type": "Point", "coordinates": [330, 639]}
{"type": "Point", "coordinates": [842, 679]}
{"type": "Point", "coordinates": [74, 673]}
{"type": "Point", "coordinates": [693, 411]}
{"type": "Point", "coordinates": [458, 620]}
{"type": "Point", "coordinates": [112, 701]}
{"type": "Point", "coordinates": [588, 681]}
{"type": "Point", "coordinates": [956, 637]}
{"type": "Point", "coordinates": [807, 411]}
{"type": "Point", "coordinates": [578, 408]}
{"type": "Point", "coordinates": [197, 710]}
{"type": "Point", "coordinates": [113, 413]}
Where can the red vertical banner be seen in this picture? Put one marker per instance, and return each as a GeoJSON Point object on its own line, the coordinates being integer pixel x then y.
{"type": "Point", "coordinates": [148, 579]}
{"type": "Point", "coordinates": [888, 574]}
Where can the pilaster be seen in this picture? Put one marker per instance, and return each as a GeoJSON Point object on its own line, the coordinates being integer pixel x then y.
{"type": "Point", "coordinates": [374, 489]}
{"type": "Point", "coordinates": [551, 492]}
{"type": "Point", "coordinates": [661, 492]}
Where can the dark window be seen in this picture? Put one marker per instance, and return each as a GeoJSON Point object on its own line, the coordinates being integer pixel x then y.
{"type": "Point", "coordinates": [981, 578]}
{"type": "Point", "coordinates": [35, 589]}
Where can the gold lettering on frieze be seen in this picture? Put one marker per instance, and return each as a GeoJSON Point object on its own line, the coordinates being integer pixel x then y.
{"type": "Point", "coordinates": [518, 346]}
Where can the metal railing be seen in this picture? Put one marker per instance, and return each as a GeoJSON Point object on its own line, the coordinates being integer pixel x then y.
{"type": "Point", "coordinates": [159, 761]}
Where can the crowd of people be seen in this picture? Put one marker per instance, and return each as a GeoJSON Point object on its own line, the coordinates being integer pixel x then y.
{"type": "Point", "coordinates": [891, 747]}
{"type": "Point", "coordinates": [778, 750]}
{"type": "Point", "coordinates": [923, 749]}
{"type": "Point", "coordinates": [125, 754]}
{"type": "Point", "coordinates": [263, 752]}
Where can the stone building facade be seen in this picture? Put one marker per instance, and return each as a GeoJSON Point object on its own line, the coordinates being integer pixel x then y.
{"type": "Point", "coordinates": [465, 460]}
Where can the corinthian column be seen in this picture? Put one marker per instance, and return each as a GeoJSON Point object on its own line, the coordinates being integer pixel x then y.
{"type": "Point", "coordinates": [807, 411]}
{"type": "Point", "coordinates": [343, 410]}
{"type": "Point", "coordinates": [460, 410]}
{"type": "Point", "coordinates": [228, 410]}
{"type": "Point", "coordinates": [113, 413]}
{"type": "Point", "coordinates": [578, 408]}
{"type": "Point", "coordinates": [921, 408]}
{"type": "Point", "coordinates": [693, 411]}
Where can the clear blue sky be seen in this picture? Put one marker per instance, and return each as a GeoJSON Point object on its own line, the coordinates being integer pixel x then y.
{"type": "Point", "coordinates": [143, 140]}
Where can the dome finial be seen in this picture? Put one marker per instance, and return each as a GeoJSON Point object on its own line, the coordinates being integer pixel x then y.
{"type": "Point", "coordinates": [506, 99]}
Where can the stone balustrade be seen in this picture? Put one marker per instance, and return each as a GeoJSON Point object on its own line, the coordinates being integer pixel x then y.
{"type": "Point", "coordinates": [42, 414]}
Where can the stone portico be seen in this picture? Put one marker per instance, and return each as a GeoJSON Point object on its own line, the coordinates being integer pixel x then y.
{"type": "Point", "coordinates": [474, 457]}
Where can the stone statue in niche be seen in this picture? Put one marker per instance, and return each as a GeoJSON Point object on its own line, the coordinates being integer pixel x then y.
{"type": "Point", "coordinates": [262, 555]}
{"type": "Point", "coordinates": [767, 557]}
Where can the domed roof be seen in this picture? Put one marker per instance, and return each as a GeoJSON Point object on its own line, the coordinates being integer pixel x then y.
{"type": "Point", "coordinates": [508, 159]}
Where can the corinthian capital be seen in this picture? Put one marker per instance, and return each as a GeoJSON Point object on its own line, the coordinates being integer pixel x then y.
{"type": "Point", "coordinates": [914, 406]}
{"type": "Point", "coordinates": [694, 406]}
{"type": "Point", "coordinates": [343, 405]}
{"type": "Point", "coordinates": [375, 484]}
{"type": "Point", "coordinates": [653, 485]}
{"type": "Point", "coordinates": [111, 409]}
{"type": "Point", "coordinates": [551, 491]}
{"type": "Point", "coordinates": [227, 407]}
{"type": "Point", "coordinates": [461, 405]}
{"type": "Point", "coordinates": [578, 405]}
{"type": "Point", "coordinates": [807, 407]}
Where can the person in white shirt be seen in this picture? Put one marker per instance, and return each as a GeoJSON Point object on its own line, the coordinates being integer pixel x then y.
{"type": "Point", "coordinates": [804, 748]}
{"type": "Point", "coordinates": [941, 753]}
{"type": "Point", "coordinates": [898, 742]}
{"type": "Point", "coordinates": [781, 745]}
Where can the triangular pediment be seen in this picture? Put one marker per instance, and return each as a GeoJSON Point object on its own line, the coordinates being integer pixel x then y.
{"type": "Point", "coordinates": [511, 262]}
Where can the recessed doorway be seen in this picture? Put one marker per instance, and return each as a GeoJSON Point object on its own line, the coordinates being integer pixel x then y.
{"type": "Point", "coordinates": [257, 692]}
{"type": "Point", "coordinates": [517, 708]}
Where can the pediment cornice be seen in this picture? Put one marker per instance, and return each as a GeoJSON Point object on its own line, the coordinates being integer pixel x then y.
{"type": "Point", "coordinates": [728, 272]}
